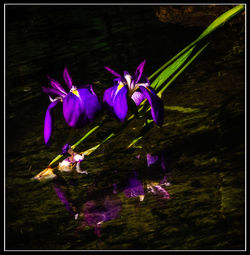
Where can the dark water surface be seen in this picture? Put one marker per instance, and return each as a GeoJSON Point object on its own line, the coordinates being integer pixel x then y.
{"type": "Point", "coordinates": [196, 200]}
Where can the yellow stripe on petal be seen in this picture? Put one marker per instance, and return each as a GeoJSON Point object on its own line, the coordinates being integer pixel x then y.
{"type": "Point", "coordinates": [75, 92]}
{"type": "Point", "coordinates": [120, 86]}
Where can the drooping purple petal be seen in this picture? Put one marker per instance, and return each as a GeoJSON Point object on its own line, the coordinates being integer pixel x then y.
{"type": "Point", "coordinates": [51, 91]}
{"type": "Point", "coordinates": [138, 97]}
{"type": "Point", "coordinates": [48, 123]}
{"type": "Point", "coordinates": [138, 72]}
{"type": "Point", "coordinates": [120, 103]}
{"type": "Point", "coordinates": [74, 111]}
{"type": "Point", "coordinates": [157, 110]}
{"type": "Point", "coordinates": [67, 78]}
{"type": "Point", "coordinates": [108, 96]}
{"type": "Point", "coordinates": [115, 99]}
{"type": "Point", "coordinates": [112, 71]}
{"type": "Point", "coordinates": [90, 101]}
{"type": "Point", "coordinates": [56, 85]}
{"type": "Point", "coordinates": [80, 107]}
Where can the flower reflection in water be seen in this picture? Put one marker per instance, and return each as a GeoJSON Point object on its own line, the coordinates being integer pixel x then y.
{"type": "Point", "coordinates": [61, 189]}
{"type": "Point", "coordinates": [136, 188]}
{"type": "Point", "coordinates": [96, 210]}
{"type": "Point", "coordinates": [154, 187]}
{"type": "Point", "coordinates": [95, 213]}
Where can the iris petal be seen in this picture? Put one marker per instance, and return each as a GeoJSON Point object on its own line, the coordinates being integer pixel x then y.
{"type": "Point", "coordinates": [67, 78]}
{"type": "Point", "coordinates": [51, 91]}
{"type": "Point", "coordinates": [137, 97]}
{"type": "Point", "coordinates": [138, 72]}
{"type": "Point", "coordinates": [80, 108]}
{"type": "Point", "coordinates": [56, 85]}
{"type": "Point", "coordinates": [115, 99]}
{"type": "Point", "coordinates": [108, 96]}
{"type": "Point", "coordinates": [157, 110]}
{"type": "Point", "coordinates": [112, 71]}
{"type": "Point", "coordinates": [73, 111]}
{"type": "Point", "coordinates": [120, 103]}
{"type": "Point", "coordinates": [128, 79]}
{"type": "Point", "coordinates": [90, 101]}
{"type": "Point", "coordinates": [48, 123]}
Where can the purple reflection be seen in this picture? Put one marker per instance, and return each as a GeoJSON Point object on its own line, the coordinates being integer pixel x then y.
{"type": "Point", "coordinates": [151, 159]}
{"type": "Point", "coordinates": [134, 189]}
{"type": "Point", "coordinates": [154, 159]}
{"type": "Point", "coordinates": [95, 213]}
{"type": "Point", "coordinates": [61, 193]}
{"type": "Point", "coordinates": [157, 189]}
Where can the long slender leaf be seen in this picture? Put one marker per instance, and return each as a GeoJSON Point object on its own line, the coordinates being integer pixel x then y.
{"type": "Point", "coordinates": [85, 136]}
{"type": "Point", "coordinates": [181, 70]}
{"type": "Point", "coordinates": [220, 21]}
{"type": "Point", "coordinates": [170, 70]}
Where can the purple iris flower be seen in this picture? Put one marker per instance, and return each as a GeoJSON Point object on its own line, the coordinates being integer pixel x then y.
{"type": "Point", "coordinates": [137, 87]}
{"type": "Point", "coordinates": [80, 104]}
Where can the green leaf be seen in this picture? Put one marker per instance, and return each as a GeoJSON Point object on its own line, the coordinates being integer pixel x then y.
{"type": "Point", "coordinates": [181, 70]}
{"type": "Point", "coordinates": [170, 70]}
{"type": "Point", "coordinates": [221, 20]}
{"type": "Point", "coordinates": [85, 136]}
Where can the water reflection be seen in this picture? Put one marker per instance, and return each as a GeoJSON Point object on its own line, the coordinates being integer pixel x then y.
{"type": "Point", "coordinates": [134, 189]}
{"type": "Point", "coordinates": [92, 213]}
{"type": "Point", "coordinates": [99, 207]}
{"type": "Point", "coordinates": [95, 213]}
{"type": "Point", "coordinates": [62, 191]}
